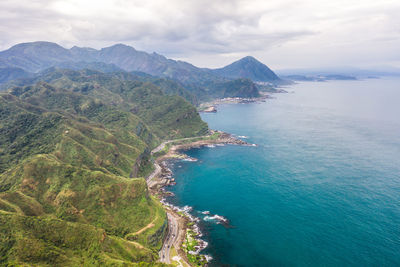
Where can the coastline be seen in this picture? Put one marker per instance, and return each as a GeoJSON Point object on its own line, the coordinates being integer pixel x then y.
{"type": "Point", "coordinates": [186, 239]}
{"type": "Point", "coordinates": [211, 107]}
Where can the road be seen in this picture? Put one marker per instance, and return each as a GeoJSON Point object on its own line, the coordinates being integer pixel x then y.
{"type": "Point", "coordinates": [157, 170]}
{"type": "Point", "coordinates": [170, 239]}
{"type": "Point", "coordinates": [162, 145]}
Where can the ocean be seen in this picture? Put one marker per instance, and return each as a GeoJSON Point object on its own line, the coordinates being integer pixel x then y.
{"type": "Point", "coordinates": [322, 188]}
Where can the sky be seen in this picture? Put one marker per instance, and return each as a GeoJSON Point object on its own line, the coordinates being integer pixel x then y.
{"type": "Point", "coordinates": [283, 34]}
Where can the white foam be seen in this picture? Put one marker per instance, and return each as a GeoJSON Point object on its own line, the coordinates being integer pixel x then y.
{"type": "Point", "coordinates": [210, 146]}
{"type": "Point", "coordinates": [208, 258]}
{"type": "Point", "coordinates": [216, 217]}
{"type": "Point", "coordinates": [190, 159]}
{"type": "Point", "coordinates": [187, 208]}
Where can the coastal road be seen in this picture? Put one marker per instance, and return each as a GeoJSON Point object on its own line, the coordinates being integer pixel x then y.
{"type": "Point", "coordinates": [170, 239]}
{"type": "Point", "coordinates": [162, 145]}
{"type": "Point", "coordinates": [157, 170]}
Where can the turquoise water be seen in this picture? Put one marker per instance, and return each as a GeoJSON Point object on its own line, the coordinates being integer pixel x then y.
{"type": "Point", "coordinates": [321, 189]}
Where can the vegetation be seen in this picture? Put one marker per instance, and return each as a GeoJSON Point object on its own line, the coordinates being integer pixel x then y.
{"type": "Point", "coordinates": [190, 243]}
{"type": "Point", "coordinates": [71, 147]}
{"type": "Point", "coordinates": [237, 88]}
{"type": "Point", "coordinates": [75, 145]}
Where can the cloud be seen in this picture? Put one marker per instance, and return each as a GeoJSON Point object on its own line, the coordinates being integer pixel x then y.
{"type": "Point", "coordinates": [284, 33]}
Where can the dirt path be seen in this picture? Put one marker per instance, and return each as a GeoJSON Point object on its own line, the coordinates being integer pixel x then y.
{"type": "Point", "coordinates": [150, 225]}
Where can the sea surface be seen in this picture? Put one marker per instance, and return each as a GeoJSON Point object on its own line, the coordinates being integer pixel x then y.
{"type": "Point", "coordinates": [322, 188]}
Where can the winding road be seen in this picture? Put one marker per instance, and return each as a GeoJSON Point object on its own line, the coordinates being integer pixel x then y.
{"type": "Point", "coordinates": [156, 172]}
{"type": "Point", "coordinates": [173, 224]}
{"type": "Point", "coordinates": [170, 239]}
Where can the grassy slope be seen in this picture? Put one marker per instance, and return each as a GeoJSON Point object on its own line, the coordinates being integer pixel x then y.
{"type": "Point", "coordinates": [168, 116]}
{"type": "Point", "coordinates": [57, 168]}
{"type": "Point", "coordinates": [67, 151]}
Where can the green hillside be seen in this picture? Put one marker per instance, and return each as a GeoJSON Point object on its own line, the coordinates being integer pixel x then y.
{"type": "Point", "coordinates": [70, 151]}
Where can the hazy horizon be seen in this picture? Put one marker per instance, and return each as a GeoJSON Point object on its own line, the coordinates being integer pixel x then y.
{"type": "Point", "coordinates": [282, 34]}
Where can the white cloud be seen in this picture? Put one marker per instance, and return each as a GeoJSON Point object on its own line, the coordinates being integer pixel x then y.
{"type": "Point", "coordinates": [282, 33]}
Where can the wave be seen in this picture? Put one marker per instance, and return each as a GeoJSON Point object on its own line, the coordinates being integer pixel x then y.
{"type": "Point", "coordinates": [216, 217]}
{"type": "Point", "coordinates": [208, 258]}
{"type": "Point", "coordinates": [190, 159]}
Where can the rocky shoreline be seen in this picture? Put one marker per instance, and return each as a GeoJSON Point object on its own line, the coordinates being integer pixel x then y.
{"type": "Point", "coordinates": [175, 152]}
{"type": "Point", "coordinates": [211, 107]}
{"type": "Point", "coordinates": [165, 178]}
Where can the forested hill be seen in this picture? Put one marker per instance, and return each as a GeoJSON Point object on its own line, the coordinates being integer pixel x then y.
{"type": "Point", "coordinates": [72, 151]}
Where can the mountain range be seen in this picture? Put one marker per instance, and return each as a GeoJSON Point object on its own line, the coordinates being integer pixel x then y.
{"type": "Point", "coordinates": [28, 59]}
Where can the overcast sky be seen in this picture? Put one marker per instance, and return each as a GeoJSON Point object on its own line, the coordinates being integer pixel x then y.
{"type": "Point", "coordinates": [213, 33]}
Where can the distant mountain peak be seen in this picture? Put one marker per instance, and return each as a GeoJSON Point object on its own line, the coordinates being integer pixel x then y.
{"type": "Point", "coordinates": [120, 47]}
{"type": "Point", "coordinates": [37, 45]}
{"type": "Point", "coordinates": [82, 48]}
{"type": "Point", "coordinates": [37, 56]}
{"type": "Point", "coordinates": [250, 68]}
{"type": "Point", "coordinates": [248, 58]}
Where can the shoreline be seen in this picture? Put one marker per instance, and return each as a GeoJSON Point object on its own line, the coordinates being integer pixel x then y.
{"type": "Point", "coordinates": [211, 107]}
{"type": "Point", "coordinates": [187, 238]}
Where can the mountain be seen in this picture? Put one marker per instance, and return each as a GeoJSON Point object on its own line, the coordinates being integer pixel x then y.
{"type": "Point", "coordinates": [35, 56]}
{"type": "Point", "coordinates": [167, 86]}
{"type": "Point", "coordinates": [130, 59]}
{"type": "Point", "coordinates": [80, 65]}
{"type": "Point", "coordinates": [244, 88]}
{"type": "Point", "coordinates": [205, 84]}
{"type": "Point", "coordinates": [12, 73]}
{"type": "Point", "coordinates": [250, 68]}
